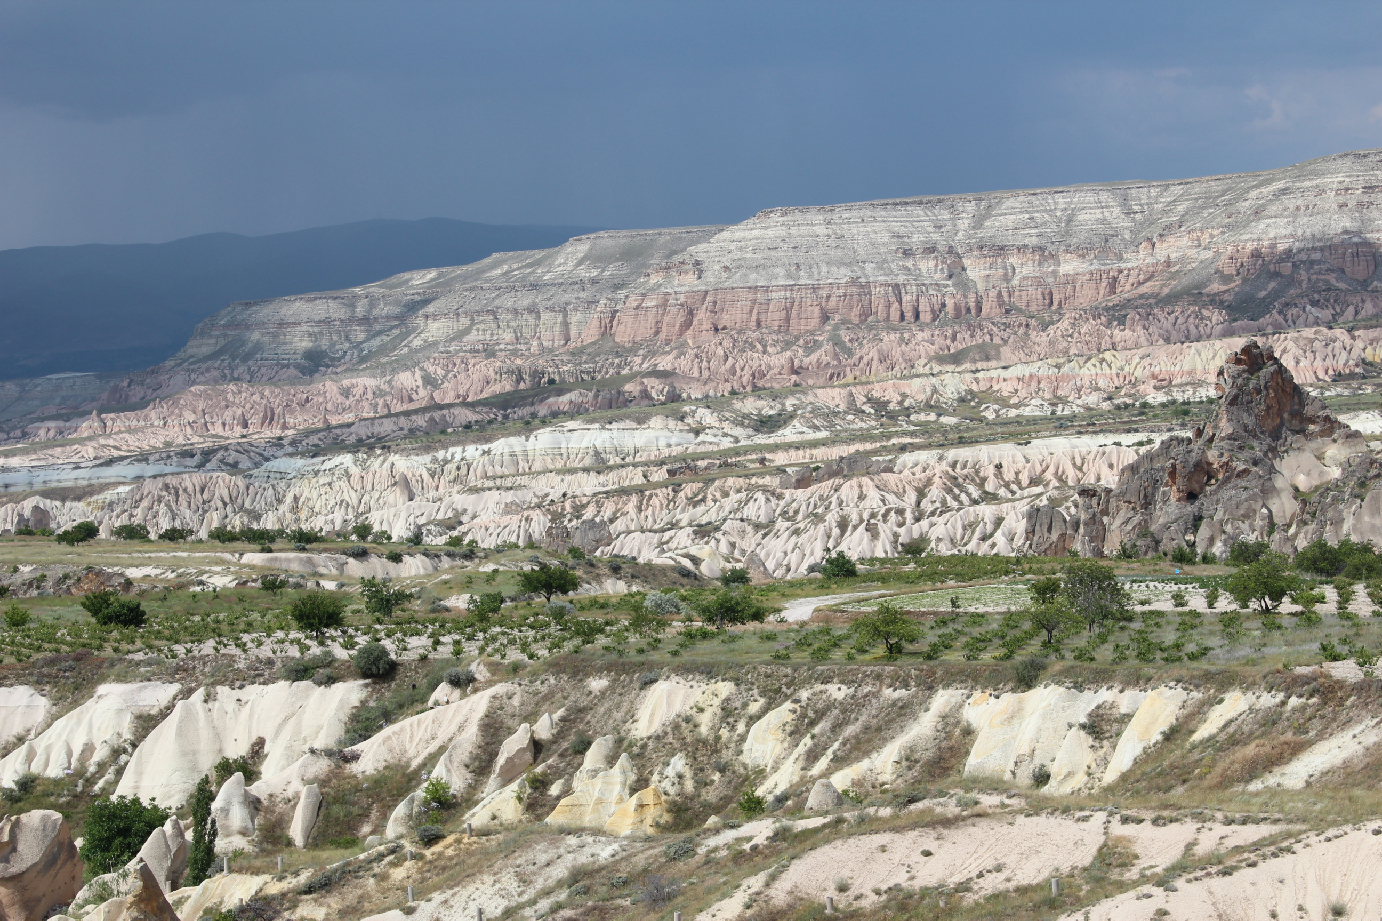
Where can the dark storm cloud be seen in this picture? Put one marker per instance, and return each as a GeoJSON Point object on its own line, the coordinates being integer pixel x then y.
{"type": "Point", "coordinates": [129, 121]}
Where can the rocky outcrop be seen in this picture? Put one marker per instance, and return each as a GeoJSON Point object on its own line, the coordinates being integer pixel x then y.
{"type": "Point", "coordinates": [515, 756]}
{"type": "Point", "coordinates": [597, 789]}
{"type": "Point", "coordinates": [1238, 476]}
{"type": "Point", "coordinates": [39, 866]}
{"type": "Point", "coordinates": [824, 797]}
{"type": "Point", "coordinates": [305, 815]}
{"type": "Point", "coordinates": [406, 817]}
{"type": "Point", "coordinates": [145, 901]}
{"type": "Point", "coordinates": [414, 740]}
{"type": "Point", "coordinates": [22, 712]}
{"type": "Point", "coordinates": [235, 812]}
{"type": "Point", "coordinates": [89, 736]}
{"type": "Point", "coordinates": [220, 722]}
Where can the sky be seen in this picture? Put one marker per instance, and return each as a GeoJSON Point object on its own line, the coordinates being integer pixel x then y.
{"type": "Point", "coordinates": [147, 121]}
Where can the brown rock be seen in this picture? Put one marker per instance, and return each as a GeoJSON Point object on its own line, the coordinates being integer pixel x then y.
{"type": "Point", "coordinates": [39, 865]}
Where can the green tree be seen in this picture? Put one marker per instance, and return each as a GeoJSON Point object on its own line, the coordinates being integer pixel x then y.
{"type": "Point", "coordinates": [381, 597]}
{"type": "Point", "coordinates": [79, 533]}
{"type": "Point", "coordinates": [202, 854]}
{"type": "Point", "coordinates": [1095, 595]}
{"type": "Point", "coordinates": [175, 535]}
{"type": "Point", "coordinates": [273, 584]}
{"type": "Point", "coordinates": [131, 532]}
{"type": "Point", "coordinates": [839, 566]}
{"type": "Point", "coordinates": [731, 606]}
{"type": "Point", "coordinates": [888, 624]}
{"type": "Point", "coordinates": [16, 617]}
{"type": "Point", "coordinates": [736, 575]}
{"type": "Point", "coordinates": [485, 605]}
{"type": "Point", "coordinates": [317, 612]}
{"type": "Point", "coordinates": [1244, 551]}
{"type": "Point", "coordinates": [1054, 617]}
{"type": "Point", "coordinates": [1263, 583]}
{"type": "Point", "coordinates": [373, 661]}
{"type": "Point", "coordinates": [548, 580]}
{"type": "Point", "coordinates": [116, 829]}
{"type": "Point", "coordinates": [1045, 590]}
{"type": "Point", "coordinates": [362, 530]}
{"type": "Point", "coordinates": [110, 610]}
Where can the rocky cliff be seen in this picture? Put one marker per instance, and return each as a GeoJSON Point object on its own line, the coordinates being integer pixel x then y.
{"type": "Point", "coordinates": [1241, 475]}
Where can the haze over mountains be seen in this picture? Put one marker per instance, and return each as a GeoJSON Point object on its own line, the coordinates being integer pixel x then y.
{"type": "Point", "coordinates": [115, 308]}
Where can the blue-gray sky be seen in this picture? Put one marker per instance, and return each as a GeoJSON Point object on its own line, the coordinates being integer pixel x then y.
{"type": "Point", "coordinates": [137, 121]}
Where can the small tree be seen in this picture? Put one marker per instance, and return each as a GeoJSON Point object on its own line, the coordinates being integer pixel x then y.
{"type": "Point", "coordinates": [79, 533]}
{"type": "Point", "coordinates": [362, 530]}
{"type": "Point", "coordinates": [485, 605]}
{"type": "Point", "coordinates": [381, 597]}
{"type": "Point", "coordinates": [1094, 594]}
{"type": "Point", "coordinates": [751, 804]}
{"type": "Point", "coordinates": [548, 580]}
{"type": "Point", "coordinates": [110, 610]}
{"type": "Point", "coordinates": [1244, 552]}
{"type": "Point", "coordinates": [737, 575]}
{"type": "Point", "coordinates": [1054, 617]}
{"type": "Point", "coordinates": [1263, 583]}
{"type": "Point", "coordinates": [731, 606]}
{"type": "Point", "coordinates": [203, 851]}
{"type": "Point", "coordinates": [1044, 591]}
{"type": "Point", "coordinates": [839, 566]}
{"type": "Point", "coordinates": [889, 625]}
{"type": "Point", "coordinates": [917, 546]}
{"type": "Point", "coordinates": [16, 617]}
{"type": "Point", "coordinates": [663, 604]}
{"type": "Point", "coordinates": [116, 829]}
{"type": "Point", "coordinates": [372, 660]}
{"type": "Point", "coordinates": [273, 584]}
{"type": "Point", "coordinates": [131, 532]}
{"type": "Point", "coordinates": [317, 612]}
{"type": "Point", "coordinates": [175, 535]}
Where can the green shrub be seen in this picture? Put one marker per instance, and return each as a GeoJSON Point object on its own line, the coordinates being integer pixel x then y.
{"type": "Point", "coordinates": [1179, 599]}
{"type": "Point", "coordinates": [737, 575]}
{"type": "Point", "coordinates": [175, 535]}
{"type": "Point", "coordinates": [131, 532]}
{"type": "Point", "coordinates": [459, 678]}
{"type": "Point", "coordinates": [79, 533]}
{"type": "Point", "coordinates": [316, 612]}
{"type": "Point", "coordinates": [372, 660]}
{"type": "Point", "coordinates": [430, 834]}
{"type": "Point", "coordinates": [576, 553]}
{"type": "Point", "coordinates": [394, 556]}
{"type": "Point", "coordinates": [485, 605]}
{"type": "Point", "coordinates": [273, 584]}
{"type": "Point", "coordinates": [1211, 597]}
{"type": "Point", "coordinates": [1184, 555]}
{"type": "Point", "coordinates": [381, 597]}
{"type": "Point", "coordinates": [1208, 558]}
{"type": "Point", "coordinates": [116, 829]}
{"type": "Point", "coordinates": [110, 610]}
{"type": "Point", "coordinates": [16, 617]}
{"type": "Point", "coordinates": [302, 669]}
{"type": "Point", "coordinates": [1041, 776]}
{"type": "Point", "coordinates": [839, 566]}
{"type": "Point", "coordinates": [1244, 552]}
{"type": "Point", "coordinates": [679, 850]}
{"type": "Point", "coordinates": [436, 793]}
{"type": "Point", "coordinates": [1027, 672]}
{"type": "Point", "coordinates": [751, 805]}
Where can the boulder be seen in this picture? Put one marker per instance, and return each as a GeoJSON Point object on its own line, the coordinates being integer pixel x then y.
{"type": "Point", "coordinates": [305, 816]}
{"type": "Point", "coordinates": [39, 866]}
{"type": "Point", "coordinates": [217, 892]}
{"type": "Point", "coordinates": [545, 728]}
{"type": "Point", "coordinates": [373, 841]}
{"type": "Point", "coordinates": [218, 722]}
{"type": "Point", "coordinates": [406, 818]}
{"type": "Point", "coordinates": [824, 797]}
{"type": "Point", "coordinates": [89, 735]}
{"type": "Point", "coordinates": [515, 756]}
{"type": "Point", "coordinates": [235, 811]}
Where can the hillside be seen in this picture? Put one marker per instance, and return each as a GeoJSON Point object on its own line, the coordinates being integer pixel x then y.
{"type": "Point", "coordinates": [120, 308]}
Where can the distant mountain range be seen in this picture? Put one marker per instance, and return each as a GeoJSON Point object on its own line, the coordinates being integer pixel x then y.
{"type": "Point", "coordinates": [116, 308]}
